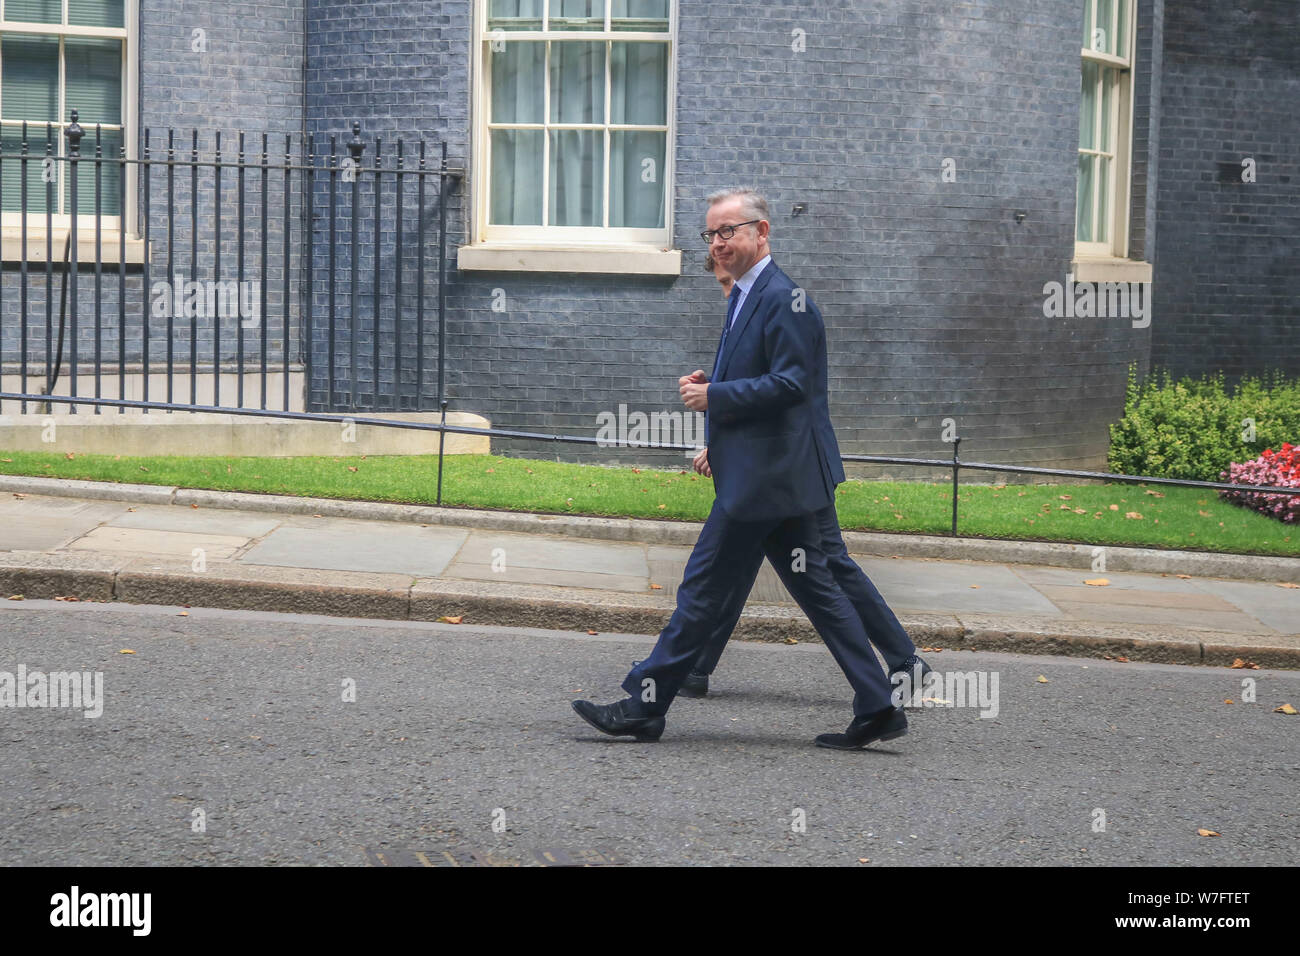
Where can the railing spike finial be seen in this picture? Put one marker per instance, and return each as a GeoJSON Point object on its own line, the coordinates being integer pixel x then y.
{"type": "Point", "coordinates": [74, 132]}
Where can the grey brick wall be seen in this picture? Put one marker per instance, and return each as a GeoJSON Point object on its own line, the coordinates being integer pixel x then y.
{"type": "Point", "coordinates": [1225, 259]}
{"type": "Point", "coordinates": [932, 290]}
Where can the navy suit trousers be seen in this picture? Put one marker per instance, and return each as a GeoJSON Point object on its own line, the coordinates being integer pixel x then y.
{"type": "Point", "coordinates": [882, 626]}
{"type": "Point", "coordinates": [718, 576]}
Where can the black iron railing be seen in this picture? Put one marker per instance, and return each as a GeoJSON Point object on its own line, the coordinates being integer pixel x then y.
{"type": "Point", "coordinates": [323, 273]}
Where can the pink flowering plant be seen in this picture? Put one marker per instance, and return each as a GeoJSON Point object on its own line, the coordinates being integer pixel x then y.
{"type": "Point", "coordinates": [1280, 469]}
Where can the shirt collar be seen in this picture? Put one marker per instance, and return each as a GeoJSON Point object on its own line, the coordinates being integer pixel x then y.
{"type": "Point", "coordinates": [746, 282]}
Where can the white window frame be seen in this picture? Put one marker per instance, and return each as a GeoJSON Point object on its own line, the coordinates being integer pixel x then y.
{"type": "Point", "coordinates": [1120, 188]}
{"type": "Point", "coordinates": [632, 249]}
{"type": "Point", "coordinates": [111, 227]}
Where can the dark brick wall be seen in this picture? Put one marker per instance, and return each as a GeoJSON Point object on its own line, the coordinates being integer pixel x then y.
{"type": "Point", "coordinates": [932, 290]}
{"type": "Point", "coordinates": [243, 72]}
{"type": "Point", "coordinates": [1225, 259]}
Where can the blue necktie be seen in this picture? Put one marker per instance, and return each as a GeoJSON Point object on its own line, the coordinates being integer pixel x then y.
{"type": "Point", "coordinates": [733, 300]}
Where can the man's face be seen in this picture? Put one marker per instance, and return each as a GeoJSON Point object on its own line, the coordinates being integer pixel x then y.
{"type": "Point", "coordinates": [736, 255]}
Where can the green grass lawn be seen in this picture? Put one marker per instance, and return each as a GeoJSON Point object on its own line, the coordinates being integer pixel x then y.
{"type": "Point", "coordinates": [1184, 518]}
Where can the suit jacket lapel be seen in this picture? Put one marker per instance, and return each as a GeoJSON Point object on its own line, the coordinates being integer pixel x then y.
{"type": "Point", "coordinates": [746, 312]}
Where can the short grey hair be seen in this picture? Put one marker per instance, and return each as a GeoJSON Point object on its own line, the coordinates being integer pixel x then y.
{"type": "Point", "coordinates": [753, 203]}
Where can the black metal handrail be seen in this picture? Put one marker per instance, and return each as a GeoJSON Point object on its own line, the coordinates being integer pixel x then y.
{"type": "Point", "coordinates": [955, 463]}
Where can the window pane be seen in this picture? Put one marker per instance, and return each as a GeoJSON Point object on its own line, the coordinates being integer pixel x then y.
{"type": "Point", "coordinates": [34, 11]}
{"type": "Point", "coordinates": [516, 177]}
{"type": "Point", "coordinates": [1121, 29]}
{"type": "Point", "coordinates": [1088, 106]}
{"type": "Point", "coordinates": [638, 84]}
{"type": "Point", "coordinates": [518, 87]}
{"type": "Point", "coordinates": [644, 15]}
{"type": "Point", "coordinates": [577, 82]}
{"type": "Point", "coordinates": [577, 171]}
{"type": "Point", "coordinates": [515, 15]}
{"type": "Point", "coordinates": [1103, 199]}
{"type": "Point", "coordinates": [95, 13]}
{"type": "Point", "coordinates": [29, 82]}
{"type": "Point", "coordinates": [110, 172]}
{"type": "Point", "coordinates": [636, 177]}
{"type": "Point", "coordinates": [1083, 231]}
{"type": "Point", "coordinates": [1087, 24]}
{"type": "Point", "coordinates": [93, 72]}
{"type": "Point", "coordinates": [1108, 80]}
{"type": "Point", "coordinates": [1103, 34]}
{"type": "Point", "coordinates": [12, 171]}
{"type": "Point", "coordinates": [577, 15]}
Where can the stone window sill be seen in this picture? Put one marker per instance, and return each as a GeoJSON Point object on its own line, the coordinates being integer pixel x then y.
{"type": "Point", "coordinates": [11, 246]}
{"type": "Point", "coordinates": [1089, 269]}
{"type": "Point", "coordinates": [607, 260]}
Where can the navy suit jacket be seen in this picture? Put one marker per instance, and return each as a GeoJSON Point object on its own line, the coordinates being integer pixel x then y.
{"type": "Point", "coordinates": [771, 445]}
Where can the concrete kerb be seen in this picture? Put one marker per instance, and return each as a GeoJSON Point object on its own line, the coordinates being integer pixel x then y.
{"type": "Point", "coordinates": [90, 577]}
{"type": "Point", "coordinates": [935, 547]}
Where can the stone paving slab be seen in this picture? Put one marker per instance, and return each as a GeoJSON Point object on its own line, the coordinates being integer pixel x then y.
{"type": "Point", "coordinates": [554, 554]}
{"type": "Point", "coordinates": [351, 545]}
{"type": "Point", "coordinates": [216, 547]}
{"type": "Point", "coordinates": [1232, 620]}
{"type": "Point", "coordinates": [1277, 607]}
{"type": "Point", "coordinates": [953, 586]}
{"type": "Point", "coordinates": [41, 533]}
{"type": "Point", "coordinates": [206, 521]}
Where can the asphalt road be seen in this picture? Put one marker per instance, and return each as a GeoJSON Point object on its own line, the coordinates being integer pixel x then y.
{"type": "Point", "coordinates": [461, 747]}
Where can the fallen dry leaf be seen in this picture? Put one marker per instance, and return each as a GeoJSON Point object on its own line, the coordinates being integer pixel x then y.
{"type": "Point", "coordinates": [1133, 515]}
{"type": "Point", "coordinates": [1123, 660]}
{"type": "Point", "coordinates": [1185, 577]}
{"type": "Point", "coordinates": [1043, 680]}
{"type": "Point", "coordinates": [1097, 582]}
{"type": "Point", "coordinates": [1155, 494]}
{"type": "Point", "coordinates": [182, 613]}
{"type": "Point", "coordinates": [458, 619]}
{"type": "Point", "coordinates": [1239, 663]}
{"type": "Point", "coordinates": [1288, 584]}
{"type": "Point", "coordinates": [352, 467]}
{"type": "Point", "coordinates": [1114, 507]}
{"type": "Point", "coordinates": [1065, 497]}
{"type": "Point", "coordinates": [70, 455]}
{"type": "Point", "coordinates": [15, 597]}
{"type": "Point", "coordinates": [589, 631]}
{"type": "Point", "coordinates": [791, 640]}
{"type": "Point", "coordinates": [1204, 832]}
{"type": "Point", "coordinates": [863, 859]}
{"type": "Point", "coordinates": [1229, 700]}
{"type": "Point", "coordinates": [656, 587]}
{"type": "Point", "coordinates": [126, 650]}
{"type": "Point", "coordinates": [1286, 709]}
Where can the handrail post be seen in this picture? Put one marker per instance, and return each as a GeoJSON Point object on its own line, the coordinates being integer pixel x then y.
{"type": "Point", "coordinates": [442, 438]}
{"type": "Point", "coordinates": [956, 464]}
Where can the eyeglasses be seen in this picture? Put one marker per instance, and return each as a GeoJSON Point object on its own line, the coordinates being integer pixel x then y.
{"type": "Point", "coordinates": [726, 232]}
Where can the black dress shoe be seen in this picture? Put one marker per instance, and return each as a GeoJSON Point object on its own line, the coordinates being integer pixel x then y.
{"type": "Point", "coordinates": [613, 719]}
{"type": "Point", "coordinates": [695, 685]}
{"type": "Point", "coordinates": [886, 725]}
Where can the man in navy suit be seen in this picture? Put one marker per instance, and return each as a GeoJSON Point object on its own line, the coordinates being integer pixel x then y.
{"type": "Point", "coordinates": [882, 626]}
{"type": "Point", "coordinates": [775, 465]}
